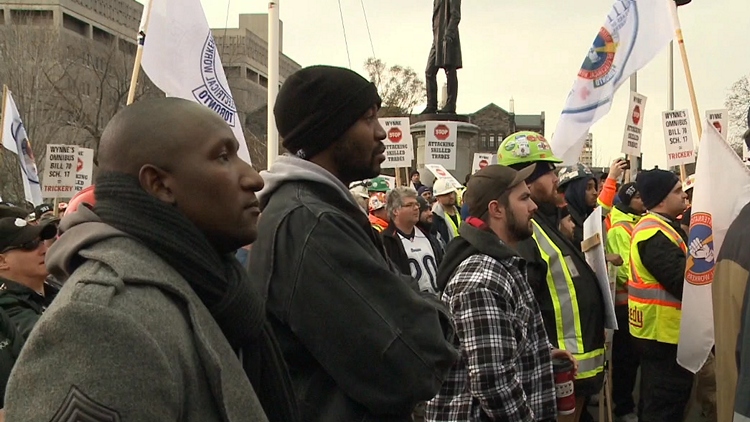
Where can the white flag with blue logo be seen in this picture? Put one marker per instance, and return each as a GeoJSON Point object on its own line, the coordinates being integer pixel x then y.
{"type": "Point", "coordinates": [634, 32]}
{"type": "Point", "coordinates": [15, 140]}
{"type": "Point", "coordinates": [722, 188]}
{"type": "Point", "coordinates": [180, 56]}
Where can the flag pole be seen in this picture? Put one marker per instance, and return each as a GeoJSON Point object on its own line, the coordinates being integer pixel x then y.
{"type": "Point", "coordinates": [139, 54]}
{"type": "Point", "coordinates": [688, 76]}
{"type": "Point", "coordinates": [2, 119]}
{"type": "Point", "coordinates": [272, 134]}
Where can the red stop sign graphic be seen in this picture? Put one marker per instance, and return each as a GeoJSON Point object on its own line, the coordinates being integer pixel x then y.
{"type": "Point", "coordinates": [440, 172]}
{"type": "Point", "coordinates": [79, 166]}
{"type": "Point", "coordinates": [394, 135]}
{"type": "Point", "coordinates": [483, 164]}
{"type": "Point", "coordinates": [636, 114]}
{"type": "Point", "coordinates": [717, 125]}
{"type": "Point", "coordinates": [442, 132]}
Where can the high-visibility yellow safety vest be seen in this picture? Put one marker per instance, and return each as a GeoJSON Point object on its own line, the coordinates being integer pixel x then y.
{"type": "Point", "coordinates": [654, 313]}
{"type": "Point", "coordinates": [565, 303]}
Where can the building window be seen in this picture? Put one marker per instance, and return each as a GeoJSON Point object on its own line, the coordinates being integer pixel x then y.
{"type": "Point", "coordinates": [263, 81]}
{"type": "Point", "coordinates": [76, 25]}
{"type": "Point", "coordinates": [31, 17]}
{"type": "Point", "coordinates": [492, 141]}
{"type": "Point", "coordinates": [252, 75]}
{"type": "Point", "coordinates": [103, 36]}
{"type": "Point", "coordinates": [483, 142]}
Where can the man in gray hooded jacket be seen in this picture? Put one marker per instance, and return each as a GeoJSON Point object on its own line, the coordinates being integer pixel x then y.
{"type": "Point", "coordinates": [361, 342]}
{"type": "Point", "coordinates": [157, 320]}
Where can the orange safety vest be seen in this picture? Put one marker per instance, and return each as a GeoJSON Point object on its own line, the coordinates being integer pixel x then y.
{"type": "Point", "coordinates": [654, 313]}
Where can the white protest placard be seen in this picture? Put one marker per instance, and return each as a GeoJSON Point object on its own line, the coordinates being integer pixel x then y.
{"type": "Point", "coordinates": [60, 171]}
{"type": "Point", "coordinates": [84, 168]}
{"type": "Point", "coordinates": [720, 120]}
{"type": "Point", "coordinates": [596, 259]}
{"type": "Point", "coordinates": [399, 148]}
{"type": "Point", "coordinates": [442, 174]}
{"type": "Point", "coordinates": [440, 144]}
{"type": "Point", "coordinates": [482, 160]}
{"type": "Point", "coordinates": [678, 137]}
{"type": "Point", "coordinates": [631, 141]}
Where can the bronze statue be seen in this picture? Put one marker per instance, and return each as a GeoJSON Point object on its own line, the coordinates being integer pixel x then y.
{"type": "Point", "coordinates": [444, 54]}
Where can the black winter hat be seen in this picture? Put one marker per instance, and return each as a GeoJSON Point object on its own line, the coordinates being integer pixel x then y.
{"type": "Point", "coordinates": [655, 185]}
{"type": "Point", "coordinates": [317, 104]}
{"type": "Point", "coordinates": [627, 192]}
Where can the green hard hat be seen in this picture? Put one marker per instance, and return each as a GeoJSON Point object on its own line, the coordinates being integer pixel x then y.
{"type": "Point", "coordinates": [525, 147]}
{"type": "Point", "coordinates": [570, 173]}
{"type": "Point", "coordinates": [378, 184]}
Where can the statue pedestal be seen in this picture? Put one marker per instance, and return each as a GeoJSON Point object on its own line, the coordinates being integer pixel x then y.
{"type": "Point", "coordinates": [465, 144]}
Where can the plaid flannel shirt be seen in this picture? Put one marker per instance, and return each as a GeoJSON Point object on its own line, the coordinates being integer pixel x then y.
{"type": "Point", "coordinates": [505, 369]}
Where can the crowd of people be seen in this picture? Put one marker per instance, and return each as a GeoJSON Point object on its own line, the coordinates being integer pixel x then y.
{"type": "Point", "coordinates": [355, 301]}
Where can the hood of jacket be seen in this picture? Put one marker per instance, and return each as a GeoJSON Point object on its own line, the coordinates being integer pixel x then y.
{"type": "Point", "coordinates": [288, 168]}
{"type": "Point", "coordinates": [575, 196]}
{"type": "Point", "coordinates": [622, 213]}
{"type": "Point", "coordinates": [472, 241]}
{"type": "Point", "coordinates": [79, 230]}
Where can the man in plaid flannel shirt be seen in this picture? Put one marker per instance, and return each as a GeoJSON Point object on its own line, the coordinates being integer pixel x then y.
{"type": "Point", "coordinates": [504, 372]}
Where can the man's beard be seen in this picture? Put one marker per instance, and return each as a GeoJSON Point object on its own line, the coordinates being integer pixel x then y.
{"type": "Point", "coordinates": [519, 230]}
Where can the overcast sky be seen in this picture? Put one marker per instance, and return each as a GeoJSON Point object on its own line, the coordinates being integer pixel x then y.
{"type": "Point", "coordinates": [528, 49]}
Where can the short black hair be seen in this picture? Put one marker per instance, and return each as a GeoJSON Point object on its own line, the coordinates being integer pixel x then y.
{"type": "Point", "coordinates": [413, 172]}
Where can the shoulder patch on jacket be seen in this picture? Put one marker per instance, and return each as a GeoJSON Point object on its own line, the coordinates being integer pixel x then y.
{"type": "Point", "coordinates": [77, 406]}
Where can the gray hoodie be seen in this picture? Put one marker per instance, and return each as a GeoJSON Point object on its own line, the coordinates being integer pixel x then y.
{"type": "Point", "coordinates": [126, 339]}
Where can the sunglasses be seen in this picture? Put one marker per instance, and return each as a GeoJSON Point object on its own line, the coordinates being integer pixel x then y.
{"type": "Point", "coordinates": [28, 246]}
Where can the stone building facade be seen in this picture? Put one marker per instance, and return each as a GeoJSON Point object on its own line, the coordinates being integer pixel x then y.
{"type": "Point", "coordinates": [495, 124]}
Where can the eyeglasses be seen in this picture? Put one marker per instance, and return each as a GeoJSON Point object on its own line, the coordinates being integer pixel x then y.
{"type": "Point", "coordinates": [412, 205]}
{"type": "Point", "coordinates": [28, 246]}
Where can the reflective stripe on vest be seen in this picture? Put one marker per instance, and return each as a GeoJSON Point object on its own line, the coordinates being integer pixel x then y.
{"type": "Point", "coordinates": [590, 364]}
{"type": "Point", "coordinates": [451, 226]}
{"type": "Point", "coordinates": [564, 300]}
{"type": "Point", "coordinates": [628, 226]}
{"type": "Point", "coordinates": [654, 313]}
{"type": "Point", "coordinates": [608, 222]}
{"type": "Point", "coordinates": [565, 303]}
{"type": "Point", "coordinates": [621, 292]}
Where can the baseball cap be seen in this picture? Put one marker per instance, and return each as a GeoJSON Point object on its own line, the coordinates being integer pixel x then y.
{"type": "Point", "coordinates": [12, 211]}
{"type": "Point", "coordinates": [41, 209]}
{"type": "Point", "coordinates": [16, 232]}
{"type": "Point", "coordinates": [490, 183]}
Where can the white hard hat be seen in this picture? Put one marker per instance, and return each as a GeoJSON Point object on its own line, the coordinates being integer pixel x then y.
{"type": "Point", "coordinates": [442, 187]}
{"type": "Point", "coordinates": [360, 191]}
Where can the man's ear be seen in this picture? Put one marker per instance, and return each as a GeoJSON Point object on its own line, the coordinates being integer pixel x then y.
{"type": "Point", "coordinates": [4, 263]}
{"type": "Point", "coordinates": [156, 182]}
{"type": "Point", "coordinates": [495, 210]}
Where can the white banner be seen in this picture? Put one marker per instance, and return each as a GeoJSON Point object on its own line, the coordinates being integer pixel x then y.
{"type": "Point", "coordinates": [399, 148]}
{"type": "Point", "coordinates": [634, 32]}
{"type": "Point", "coordinates": [442, 174]}
{"type": "Point", "coordinates": [84, 168]}
{"type": "Point", "coordinates": [595, 257]}
{"type": "Point", "coordinates": [721, 190]}
{"type": "Point", "coordinates": [720, 120]}
{"type": "Point", "coordinates": [60, 171]}
{"type": "Point", "coordinates": [678, 137]}
{"type": "Point", "coordinates": [181, 58]}
{"type": "Point", "coordinates": [482, 160]}
{"type": "Point", "coordinates": [631, 141]}
{"type": "Point", "coordinates": [16, 141]}
{"type": "Point", "coordinates": [440, 144]}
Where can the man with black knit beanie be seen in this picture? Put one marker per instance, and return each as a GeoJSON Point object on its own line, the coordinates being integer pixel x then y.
{"type": "Point", "coordinates": [157, 320]}
{"type": "Point", "coordinates": [658, 253]}
{"type": "Point", "coordinates": [362, 343]}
